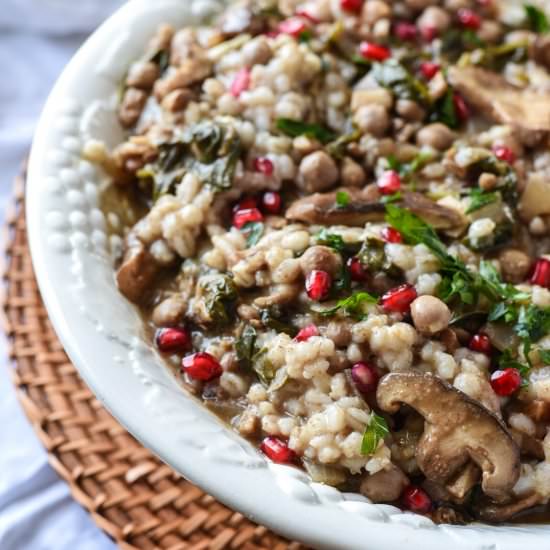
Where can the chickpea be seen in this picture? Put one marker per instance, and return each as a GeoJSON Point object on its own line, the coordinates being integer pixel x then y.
{"type": "Point", "coordinates": [490, 31]}
{"type": "Point", "coordinates": [410, 110]}
{"type": "Point", "coordinates": [142, 75]}
{"type": "Point", "coordinates": [373, 10]}
{"type": "Point", "coordinates": [318, 172]}
{"type": "Point", "coordinates": [487, 181]}
{"type": "Point", "coordinates": [436, 135]}
{"type": "Point", "coordinates": [372, 119]}
{"type": "Point", "coordinates": [353, 174]}
{"type": "Point", "coordinates": [514, 264]}
{"type": "Point", "coordinates": [430, 314]}
{"type": "Point", "coordinates": [321, 257]}
{"type": "Point", "coordinates": [339, 333]}
{"type": "Point", "coordinates": [434, 17]}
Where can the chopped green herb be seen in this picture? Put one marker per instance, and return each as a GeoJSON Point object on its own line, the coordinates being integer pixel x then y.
{"type": "Point", "coordinates": [342, 199]}
{"type": "Point", "coordinates": [508, 361]}
{"type": "Point", "coordinates": [394, 197]}
{"type": "Point", "coordinates": [220, 293]}
{"type": "Point", "coordinates": [273, 318]}
{"type": "Point", "coordinates": [480, 198]}
{"type": "Point", "coordinates": [407, 169]}
{"type": "Point", "coordinates": [393, 75]}
{"type": "Point", "coordinates": [352, 305]}
{"type": "Point", "coordinates": [444, 110]}
{"type": "Point", "coordinates": [372, 256]}
{"type": "Point", "coordinates": [336, 241]}
{"type": "Point", "coordinates": [537, 19]}
{"type": "Point", "coordinates": [544, 355]}
{"type": "Point", "coordinates": [295, 128]}
{"type": "Point", "coordinates": [263, 367]}
{"type": "Point", "coordinates": [253, 232]}
{"type": "Point", "coordinates": [337, 148]}
{"type": "Point", "coordinates": [376, 430]}
{"type": "Point", "coordinates": [245, 346]}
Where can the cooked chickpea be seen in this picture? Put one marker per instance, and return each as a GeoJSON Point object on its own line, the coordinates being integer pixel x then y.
{"type": "Point", "coordinates": [514, 264]}
{"type": "Point", "coordinates": [353, 174]}
{"type": "Point", "coordinates": [436, 135]}
{"type": "Point", "coordinates": [434, 17]}
{"type": "Point", "coordinates": [410, 110]}
{"type": "Point", "coordinates": [430, 314]}
{"type": "Point", "coordinates": [321, 257]}
{"type": "Point", "coordinates": [372, 119]}
{"type": "Point", "coordinates": [318, 172]}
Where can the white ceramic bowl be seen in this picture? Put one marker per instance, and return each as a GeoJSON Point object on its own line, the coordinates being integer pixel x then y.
{"type": "Point", "coordinates": [102, 333]}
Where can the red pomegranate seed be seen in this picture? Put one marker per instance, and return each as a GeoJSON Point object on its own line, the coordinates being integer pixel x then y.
{"type": "Point", "coordinates": [247, 215]}
{"type": "Point", "coordinates": [304, 13]}
{"type": "Point", "coordinates": [356, 269]}
{"type": "Point", "coordinates": [504, 153]}
{"type": "Point", "coordinates": [240, 83]}
{"type": "Point", "coordinates": [541, 273]}
{"type": "Point", "coordinates": [351, 5]}
{"type": "Point", "coordinates": [405, 30]}
{"type": "Point", "coordinates": [481, 343]}
{"type": "Point", "coordinates": [306, 333]}
{"type": "Point", "coordinates": [391, 235]}
{"type": "Point", "coordinates": [374, 52]}
{"type": "Point", "coordinates": [399, 299]}
{"type": "Point", "coordinates": [271, 202]}
{"type": "Point", "coordinates": [365, 377]}
{"type": "Point", "coordinates": [318, 284]}
{"type": "Point", "coordinates": [389, 182]}
{"type": "Point", "coordinates": [469, 19]}
{"type": "Point", "coordinates": [277, 450]}
{"type": "Point", "coordinates": [293, 26]}
{"type": "Point", "coordinates": [428, 32]}
{"type": "Point", "coordinates": [263, 165]}
{"type": "Point", "coordinates": [416, 500]}
{"type": "Point", "coordinates": [201, 366]}
{"type": "Point", "coordinates": [505, 382]}
{"type": "Point", "coordinates": [245, 204]}
{"type": "Point", "coordinates": [462, 109]}
{"type": "Point", "coordinates": [173, 340]}
{"type": "Point", "coordinates": [429, 69]}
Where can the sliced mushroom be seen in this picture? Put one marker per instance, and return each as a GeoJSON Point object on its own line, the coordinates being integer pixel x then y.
{"type": "Point", "coordinates": [497, 513]}
{"type": "Point", "coordinates": [365, 206]}
{"type": "Point", "coordinates": [457, 430]}
{"type": "Point", "coordinates": [385, 485]}
{"type": "Point", "coordinates": [137, 272]}
{"type": "Point", "coordinates": [525, 109]}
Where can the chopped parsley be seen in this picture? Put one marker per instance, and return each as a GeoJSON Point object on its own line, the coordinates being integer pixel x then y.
{"type": "Point", "coordinates": [295, 128]}
{"type": "Point", "coordinates": [376, 430]}
{"type": "Point", "coordinates": [444, 110]}
{"type": "Point", "coordinates": [480, 198]}
{"type": "Point", "coordinates": [342, 199]}
{"type": "Point", "coordinates": [537, 19]}
{"type": "Point", "coordinates": [393, 75]}
{"type": "Point", "coordinates": [245, 346]}
{"type": "Point", "coordinates": [330, 239]}
{"type": "Point", "coordinates": [352, 305]}
{"type": "Point", "coordinates": [252, 232]}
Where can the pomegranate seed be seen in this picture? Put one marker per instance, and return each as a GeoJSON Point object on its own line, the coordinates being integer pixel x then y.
{"type": "Point", "coordinates": [306, 333]}
{"type": "Point", "coordinates": [469, 18]}
{"type": "Point", "coordinates": [374, 52]}
{"type": "Point", "coordinates": [247, 215]}
{"type": "Point", "coordinates": [429, 69]}
{"type": "Point", "coordinates": [505, 382]}
{"type": "Point", "coordinates": [405, 30]}
{"type": "Point", "coordinates": [263, 165]}
{"type": "Point", "coordinates": [201, 366]}
{"type": "Point", "coordinates": [306, 15]}
{"type": "Point", "coordinates": [356, 269]}
{"type": "Point", "coordinates": [240, 83]}
{"type": "Point", "coordinates": [172, 340]}
{"type": "Point", "coordinates": [351, 5]}
{"type": "Point", "coordinates": [318, 284]}
{"type": "Point", "coordinates": [416, 500]}
{"type": "Point", "coordinates": [277, 450]}
{"type": "Point", "coordinates": [365, 377]}
{"type": "Point", "coordinates": [399, 299]}
{"type": "Point", "coordinates": [391, 235]}
{"type": "Point", "coordinates": [504, 153]}
{"type": "Point", "coordinates": [462, 109]}
{"type": "Point", "coordinates": [428, 32]}
{"type": "Point", "coordinates": [481, 343]}
{"type": "Point", "coordinates": [293, 26]}
{"type": "Point", "coordinates": [541, 273]}
{"type": "Point", "coordinates": [245, 204]}
{"type": "Point", "coordinates": [271, 202]}
{"type": "Point", "coordinates": [389, 182]}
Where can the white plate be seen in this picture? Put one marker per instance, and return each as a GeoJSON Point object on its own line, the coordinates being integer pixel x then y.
{"type": "Point", "coordinates": [102, 333]}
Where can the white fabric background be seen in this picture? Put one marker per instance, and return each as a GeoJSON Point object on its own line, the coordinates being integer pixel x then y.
{"type": "Point", "coordinates": [37, 38]}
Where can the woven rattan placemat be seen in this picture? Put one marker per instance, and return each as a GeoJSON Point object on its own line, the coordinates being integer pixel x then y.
{"type": "Point", "coordinates": [135, 498]}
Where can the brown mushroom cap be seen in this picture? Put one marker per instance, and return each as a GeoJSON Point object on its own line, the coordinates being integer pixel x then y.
{"type": "Point", "coordinates": [457, 429]}
{"type": "Point", "coordinates": [365, 206]}
{"type": "Point", "coordinates": [525, 109]}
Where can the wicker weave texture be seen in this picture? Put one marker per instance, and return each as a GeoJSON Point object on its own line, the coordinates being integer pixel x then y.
{"type": "Point", "coordinates": [136, 499]}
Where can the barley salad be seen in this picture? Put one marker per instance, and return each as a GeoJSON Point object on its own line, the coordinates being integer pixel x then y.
{"type": "Point", "coordinates": [334, 217]}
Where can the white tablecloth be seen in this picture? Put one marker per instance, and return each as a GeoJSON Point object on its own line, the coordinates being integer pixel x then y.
{"type": "Point", "coordinates": [37, 38]}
